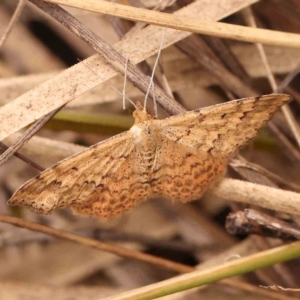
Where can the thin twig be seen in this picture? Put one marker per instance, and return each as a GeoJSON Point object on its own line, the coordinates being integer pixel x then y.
{"type": "Point", "coordinates": [243, 163]}
{"type": "Point", "coordinates": [26, 136]}
{"type": "Point", "coordinates": [279, 288]}
{"type": "Point", "coordinates": [288, 79]}
{"type": "Point", "coordinates": [24, 158]}
{"type": "Point", "coordinates": [292, 152]}
{"type": "Point", "coordinates": [12, 22]}
{"type": "Point", "coordinates": [118, 250]}
{"type": "Point", "coordinates": [251, 221]}
{"type": "Point", "coordinates": [253, 289]}
{"type": "Point", "coordinates": [292, 92]}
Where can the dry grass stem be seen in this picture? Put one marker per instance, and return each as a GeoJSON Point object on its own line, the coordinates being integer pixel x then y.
{"type": "Point", "coordinates": [288, 79]}
{"type": "Point", "coordinates": [240, 33]}
{"type": "Point", "coordinates": [260, 195]}
{"type": "Point", "coordinates": [12, 21]}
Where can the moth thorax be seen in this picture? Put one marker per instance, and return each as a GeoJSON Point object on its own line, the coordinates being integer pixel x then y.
{"type": "Point", "coordinates": [144, 136]}
{"type": "Point", "coordinates": [137, 132]}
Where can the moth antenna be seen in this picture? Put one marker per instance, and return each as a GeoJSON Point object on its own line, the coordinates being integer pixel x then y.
{"type": "Point", "coordinates": [110, 85]}
{"type": "Point", "coordinates": [124, 86]}
{"type": "Point", "coordinates": [154, 67]}
{"type": "Point", "coordinates": [154, 101]}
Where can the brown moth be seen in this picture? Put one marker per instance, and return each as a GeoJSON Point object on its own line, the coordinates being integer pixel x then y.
{"type": "Point", "coordinates": [176, 158]}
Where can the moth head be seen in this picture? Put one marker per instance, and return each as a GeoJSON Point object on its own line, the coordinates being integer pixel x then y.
{"type": "Point", "coordinates": [140, 114]}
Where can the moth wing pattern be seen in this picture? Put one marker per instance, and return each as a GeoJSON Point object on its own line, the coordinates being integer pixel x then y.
{"type": "Point", "coordinates": [225, 128]}
{"type": "Point", "coordinates": [82, 181]}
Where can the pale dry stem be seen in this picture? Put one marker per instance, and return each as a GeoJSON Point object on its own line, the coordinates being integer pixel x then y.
{"type": "Point", "coordinates": [260, 195]}
{"type": "Point", "coordinates": [241, 33]}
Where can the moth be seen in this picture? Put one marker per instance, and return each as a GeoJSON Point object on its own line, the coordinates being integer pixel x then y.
{"type": "Point", "coordinates": [177, 158]}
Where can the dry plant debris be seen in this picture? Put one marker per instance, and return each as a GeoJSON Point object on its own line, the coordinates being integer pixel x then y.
{"type": "Point", "coordinates": [200, 71]}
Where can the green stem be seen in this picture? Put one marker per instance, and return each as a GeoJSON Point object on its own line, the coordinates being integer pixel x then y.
{"type": "Point", "coordinates": [108, 124]}
{"type": "Point", "coordinates": [203, 277]}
